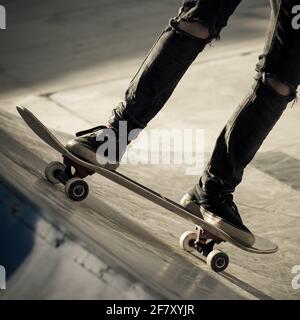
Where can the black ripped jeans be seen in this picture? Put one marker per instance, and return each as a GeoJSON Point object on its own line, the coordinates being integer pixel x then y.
{"type": "Point", "coordinates": [250, 124]}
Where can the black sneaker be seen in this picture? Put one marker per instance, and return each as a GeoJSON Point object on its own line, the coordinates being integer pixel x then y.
{"type": "Point", "coordinates": [89, 146]}
{"type": "Point", "coordinates": [218, 209]}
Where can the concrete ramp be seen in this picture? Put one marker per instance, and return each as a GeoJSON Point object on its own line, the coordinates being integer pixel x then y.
{"type": "Point", "coordinates": [71, 73]}
{"type": "Point", "coordinates": [53, 248]}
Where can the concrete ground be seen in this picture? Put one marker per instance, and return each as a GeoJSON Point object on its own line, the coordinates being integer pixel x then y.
{"type": "Point", "coordinates": [70, 62]}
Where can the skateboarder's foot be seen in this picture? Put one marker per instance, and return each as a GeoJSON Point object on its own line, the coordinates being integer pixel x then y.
{"type": "Point", "coordinates": [219, 210]}
{"type": "Point", "coordinates": [99, 146]}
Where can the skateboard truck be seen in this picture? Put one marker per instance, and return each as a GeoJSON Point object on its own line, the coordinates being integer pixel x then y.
{"type": "Point", "coordinates": [80, 171]}
{"type": "Point", "coordinates": [76, 188]}
{"type": "Point", "coordinates": [203, 242]}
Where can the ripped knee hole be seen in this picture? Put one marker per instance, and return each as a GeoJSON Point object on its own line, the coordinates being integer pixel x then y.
{"type": "Point", "coordinates": [280, 87]}
{"type": "Point", "coordinates": [195, 29]}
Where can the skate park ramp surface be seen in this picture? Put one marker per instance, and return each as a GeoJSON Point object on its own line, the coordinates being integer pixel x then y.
{"type": "Point", "coordinates": [117, 244]}
{"type": "Point", "coordinates": [70, 66]}
{"type": "Point", "coordinates": [112, 245]}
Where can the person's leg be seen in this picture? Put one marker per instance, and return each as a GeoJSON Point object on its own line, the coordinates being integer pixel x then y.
{"type": "Point", "coordinates": [275, 87]}
{"type": "Point", "coordinates": [197, 24]}
{"type": "Point", "coordinates": [240, 139]}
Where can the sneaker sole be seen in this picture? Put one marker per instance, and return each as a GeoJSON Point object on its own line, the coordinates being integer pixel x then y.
{"type": "Point", "coordinates": [246, 238]}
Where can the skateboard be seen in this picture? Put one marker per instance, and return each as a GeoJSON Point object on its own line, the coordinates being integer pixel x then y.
{"type": "Point", "coordinates": [72, 171]}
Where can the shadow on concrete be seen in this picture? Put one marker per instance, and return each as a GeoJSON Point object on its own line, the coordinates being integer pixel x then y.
{"type": "Point", "coordinates": [280, 166]}
{"type": "Point", "coordinates": [245, 286]}
{"type": "Point", "coordinates": [17, 217]}
{"type": "Point", "coordinates": [94, 223]}
{"type": "Point", "coordinates": [46, 40]}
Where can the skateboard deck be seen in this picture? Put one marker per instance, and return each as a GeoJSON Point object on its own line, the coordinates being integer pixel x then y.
{"type": "Point", "coordinates": [261, 246]}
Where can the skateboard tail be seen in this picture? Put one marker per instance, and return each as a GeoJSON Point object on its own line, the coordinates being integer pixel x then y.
{"type": "Point", "coordinates": [39, 129]}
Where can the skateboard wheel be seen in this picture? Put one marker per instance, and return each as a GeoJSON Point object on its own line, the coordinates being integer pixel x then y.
{"type": "Point", "coordinates": [50, 170]}
{"type": "Point", "coordinates": [217, 260]}
{"type": "Point", "coordinates": [187, 241]}
{"type": "Point", "coordinates": [76, 189]}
